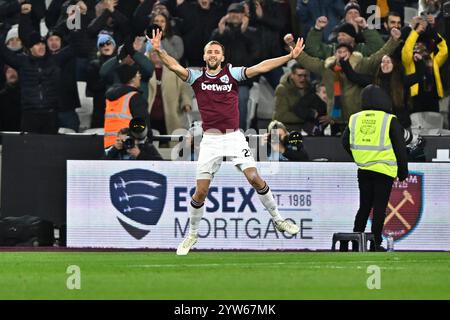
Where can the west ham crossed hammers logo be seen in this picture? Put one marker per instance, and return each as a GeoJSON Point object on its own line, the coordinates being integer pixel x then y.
{"type": "Point", "coordinates": [404, 207]}
{"type": "Point", "coordinates": [395, 211]}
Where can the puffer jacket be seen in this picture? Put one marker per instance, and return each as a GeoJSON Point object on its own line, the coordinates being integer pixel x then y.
{"type": "Point", "coordinates": [39, 77]}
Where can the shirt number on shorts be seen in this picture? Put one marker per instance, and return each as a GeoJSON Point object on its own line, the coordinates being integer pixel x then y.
{"type": "Point", "coordinates": [247, 152]}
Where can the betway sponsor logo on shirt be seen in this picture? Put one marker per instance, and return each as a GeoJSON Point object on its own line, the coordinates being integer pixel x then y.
{"type": "Point", "coordinates": [216, 87]}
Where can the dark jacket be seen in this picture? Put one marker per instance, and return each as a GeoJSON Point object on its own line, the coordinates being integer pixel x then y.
{"type": "Point", "coordinates": [240, 47]}
{"type": "Point", "coordinates": [270, 27]}
{"type": "Point", "coordinates": [85, 43]}
{"type": "Point", "coordinates": [196, 29]}
{"type": "Point", "coordinates": [374, 98]}
{"type": "Point", "coordinates": [148, 152]}
{"type": "Point", "coordinates": [10, 11]}
{"type": "Point", "coordinates": [10, 108]}
{"type": "Point", "coordinates": [96, 88]}
{"type": "Point", "coordinates": [363, 80]}
{"type": "Point", "coordinates": [138, 105]}
{"type": "Point", "coordinates": [119, 30]}
{"type": "Point", "coordinates": [39, 77]}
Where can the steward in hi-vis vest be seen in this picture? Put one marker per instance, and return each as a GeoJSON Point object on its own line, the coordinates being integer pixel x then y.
{"type": "Point", "coordinates": [375, 139]}
{"type": "Point", "coordinates": [124, 102]}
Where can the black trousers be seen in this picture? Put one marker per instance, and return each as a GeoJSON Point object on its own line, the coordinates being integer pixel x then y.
{"type": "Point", "coordinates": [374, 192]}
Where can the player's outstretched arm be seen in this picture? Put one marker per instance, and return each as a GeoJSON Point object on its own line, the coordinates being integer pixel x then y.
{"type": "Point", "coordinates": [168, 61]}
{"type": "Point", "coordinates": [269, 64]}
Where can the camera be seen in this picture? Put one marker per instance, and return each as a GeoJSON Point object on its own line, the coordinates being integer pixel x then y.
{"type": "Point", "coordinates": [128, 143]}
{"type": "Point", "coordinates": [150, 28]}
{"type": "Point", "coordinates": [293, 141]}
{"type": "Point", "coordinates": [137, 133]}
{"type": "Point", "coordinates": [294, 147]}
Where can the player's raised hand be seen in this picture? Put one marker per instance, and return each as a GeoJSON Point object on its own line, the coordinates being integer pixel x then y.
{"type": "Point", "coordinates": [299, 46]}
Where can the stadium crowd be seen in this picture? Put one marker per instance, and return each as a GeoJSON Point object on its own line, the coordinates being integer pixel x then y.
{"type": "Point", "coordinates": [48, 47]}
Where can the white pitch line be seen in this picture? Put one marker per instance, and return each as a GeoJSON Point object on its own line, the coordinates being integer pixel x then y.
{"type": "Point", "coordinates": [267, 264]}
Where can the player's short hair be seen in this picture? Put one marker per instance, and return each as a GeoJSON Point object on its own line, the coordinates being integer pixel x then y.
{"type": "Point", "coordinates": [214, 42]}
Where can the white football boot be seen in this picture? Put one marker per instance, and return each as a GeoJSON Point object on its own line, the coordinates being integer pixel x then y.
{"type": "Point", "coordinates": [287, 226]}
{"type": "Point", "coordinates": [186, 245]}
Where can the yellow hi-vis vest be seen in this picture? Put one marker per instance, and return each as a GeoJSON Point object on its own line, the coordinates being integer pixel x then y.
{"type": "Point", "coordinates": [117, 116]}
{"type": "Point", "coordinates": [370, 143]}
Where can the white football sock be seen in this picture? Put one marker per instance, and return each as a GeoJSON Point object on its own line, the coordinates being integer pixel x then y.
{"type": "Point", "coordinates": [195, 215]}
{"type": "Point", "coordinates": [266, 197]}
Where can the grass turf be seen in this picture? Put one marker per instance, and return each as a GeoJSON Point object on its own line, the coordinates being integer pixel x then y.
{"type": "Point", "coordinates": [224, 275]}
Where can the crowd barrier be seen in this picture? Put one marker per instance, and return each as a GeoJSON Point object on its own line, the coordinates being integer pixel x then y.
{"type": "Point", "coordinates": [33, 168]}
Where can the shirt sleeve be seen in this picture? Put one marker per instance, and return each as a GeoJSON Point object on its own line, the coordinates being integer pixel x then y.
{"type": "Point", "coordinates": [238, 73]}
{"type": "Point", "coordinates": [193, 75]}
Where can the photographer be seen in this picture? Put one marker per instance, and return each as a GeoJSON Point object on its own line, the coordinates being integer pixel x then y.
{"type": "Point", "coordinates": [132, 143]}
{"type": "Point", "coordinates": [284, 145]}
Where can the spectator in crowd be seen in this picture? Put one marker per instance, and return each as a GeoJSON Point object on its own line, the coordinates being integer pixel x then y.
{"type": "Point", "coordinates": [39, 74]}
{"type": "Point", "coordinates": [309, 11]}
{"type": "Point", "coordinates": [128, 53]}
{"type": "Point", "coordinates": [269, 19]}
{"type": "Point", "coordinates": [172, 43]}
{"type": "Point", "coordinates": [169, 98]}
{"type": "Point", "coordinates": [391, 77]}
{"type": "Point", "coordinates": [124, 102]}
{"type": "Point", "coordinates": [283, 145]}
{"type": "Point", "coordinates": [10, 101]}
{"type": "Point", "coordinates": [377, 167]}
{"type": "Point", "coordinates": [367, 7]}
{"type": "Point", "coordinates": [292, 88]}
{"type": "Point", "coordinates": [312, 109]}
{"type": "Point", "coordinates": [240, 42]}
{"type": "Point", "coordinates": [393, 20]}
{"type": "Point", "coordinates": [343, 95]}
{"type": "Point", "coordinates": [128, 147]}
{"type": "Point", "coordinates": [67, 86]}
{"type": "Point", "coordinates": [111, 20]}
{"type": "Point", "coordinates": [10, 11]}
{"type": "Point", "coordinates": [64, 17]}
{"type": "Point", "coordinates": [13, 41]}
{"type": "Point", "coordinates": [95, 85]}
{"type": "Point", "coordinates": [147, 9]}
{"type": "Point", "coordinates": [424, 43]}
{"type": "Point", "coordinates": [352, 11]}
{"type": "Point", "coordinates": [347, 34]}
{"type": "Point", "coordinates": [199, 19]}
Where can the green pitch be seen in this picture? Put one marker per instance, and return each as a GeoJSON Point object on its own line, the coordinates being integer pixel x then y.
{"type": "Point", "coordinates": [224, 275]}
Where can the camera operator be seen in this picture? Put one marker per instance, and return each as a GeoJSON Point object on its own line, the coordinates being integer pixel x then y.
{"type": "Point", "coordinates": [132, 143]}
{"type": "Point", "coordinates": [284, 145]}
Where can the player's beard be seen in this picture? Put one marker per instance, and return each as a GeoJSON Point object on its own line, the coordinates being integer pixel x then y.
{"type": "Point", "coordinates": [213, 66]}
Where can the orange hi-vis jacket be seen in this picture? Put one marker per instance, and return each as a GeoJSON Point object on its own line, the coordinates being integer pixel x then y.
{"type": "Point", "coordinates": [117, 116]}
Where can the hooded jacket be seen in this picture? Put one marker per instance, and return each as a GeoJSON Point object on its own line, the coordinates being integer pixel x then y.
{"type": "Point", "coordinates": [287, 96]}
{"type": "Point", "coordinates": [375, 98]}
{"type": "Point", "coordinates": [138, 105]}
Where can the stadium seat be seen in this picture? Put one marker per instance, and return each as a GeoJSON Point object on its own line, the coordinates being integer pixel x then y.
{"type": "Point", "coordinates": [344, 237]}
{"type": "Point", "coordinates": [99, 131]}
{"type": "Point", "coordinates": [266, 103]}
{"type": "Point", "coordinates": [252, 103]}
{"type": "Point", "coordinates": [427, 120]}
{"type": "Point", "coordinates": [66, 131]}
{"type": "Point", "coordinates": [87, 106]}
